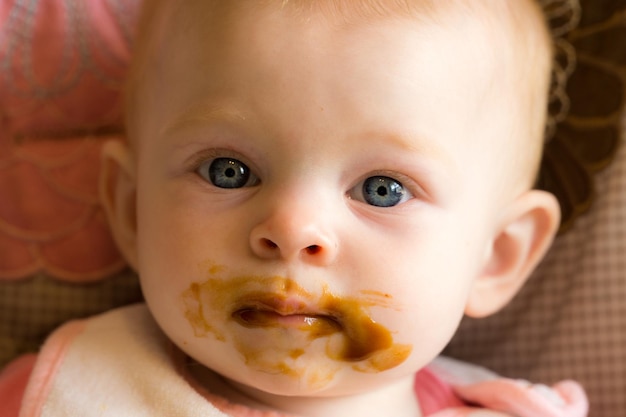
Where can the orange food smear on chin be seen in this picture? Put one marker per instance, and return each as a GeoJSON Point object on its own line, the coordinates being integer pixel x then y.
{"type": "Point", "coordinates": [267, 303]}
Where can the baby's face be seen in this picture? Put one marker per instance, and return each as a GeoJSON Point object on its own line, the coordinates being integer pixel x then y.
{"type": "Point", "coordinates": [315, 199]}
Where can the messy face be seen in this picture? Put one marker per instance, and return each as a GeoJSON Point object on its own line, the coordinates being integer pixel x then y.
{"type": "Point", "coordinates": [315, 199]}
{"type": "Point", "coordinates": [289, 320]}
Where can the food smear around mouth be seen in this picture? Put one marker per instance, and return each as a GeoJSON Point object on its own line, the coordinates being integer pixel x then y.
{"type": "Point", "coordinates": [194, 313]}
{"type": "Point", "coordinates": [277, 305]}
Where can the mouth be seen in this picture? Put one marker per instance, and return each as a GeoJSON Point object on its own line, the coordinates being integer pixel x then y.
{"type": "Point", "coordinates": [293, 318]}
{"type": "Point", "coordinates": [282, 315]}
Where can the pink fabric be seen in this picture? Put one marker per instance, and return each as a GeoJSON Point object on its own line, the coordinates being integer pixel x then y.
{"type": "Point", "coordinates": [522, 399]}
{"type": "Point", "coordinates": [13, 381]}
{"type": "Point", "coordinates": [67, 63]}
{"type": "Point", "coordinates": [46, 367]}
{"type": "Point", "coordinates": [50, 217]}
{"type": "Point", "coordinates": [433, 394]}
{"type": "Point", "coordinates": [63, 66]}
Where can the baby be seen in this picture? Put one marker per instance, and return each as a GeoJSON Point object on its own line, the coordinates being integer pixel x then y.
{"type": "Point", "coordinates": [314, 193]}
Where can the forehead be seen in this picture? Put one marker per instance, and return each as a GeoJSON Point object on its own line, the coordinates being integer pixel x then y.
{"type": "Point", "coordinates": [464, 52]}
{"type": "Point", "coordinates": [214, 35]}
{"type": "Point", "coordinates": [172, 26]}
{"type": "Point", "coordinates": [214, 30]}
{"type": "Point", "coordinates": [218, 45]}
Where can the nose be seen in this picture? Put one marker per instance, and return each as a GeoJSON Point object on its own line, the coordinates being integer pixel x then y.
{"type": "Point", "coordinates": [290, 234]}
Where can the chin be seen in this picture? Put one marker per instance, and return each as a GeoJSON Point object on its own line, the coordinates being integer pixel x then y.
{"type": "Point", "coordinates": [313, 382]}
{"type": "Point", "coordinates": [305, 381]}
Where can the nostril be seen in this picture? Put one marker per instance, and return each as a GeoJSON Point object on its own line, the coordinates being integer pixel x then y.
{"type": "Point", "coordinates": [313, 249]}
{"type": "Point", "coordinates": [268, 244]}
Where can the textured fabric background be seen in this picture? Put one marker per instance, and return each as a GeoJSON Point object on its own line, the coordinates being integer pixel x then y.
{"type": "Point", "coordinates": [570, 319]}
{"type": "Point", "coordinates": [62, 67]}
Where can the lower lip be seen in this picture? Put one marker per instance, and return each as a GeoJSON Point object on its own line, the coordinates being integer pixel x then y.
{"type": "Point", "coordinates": [318, 325]}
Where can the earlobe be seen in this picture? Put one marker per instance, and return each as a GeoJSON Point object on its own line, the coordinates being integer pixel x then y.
{"type": "Point", "coordinates": [524, 235]}
{"type": "Point", "coordinates": [118, 197]}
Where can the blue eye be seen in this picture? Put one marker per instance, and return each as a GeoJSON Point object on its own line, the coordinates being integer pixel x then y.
{"type": "Point", "coordinates": [383, 191]}
{"type": "Point", "coordinates": [227, 173]}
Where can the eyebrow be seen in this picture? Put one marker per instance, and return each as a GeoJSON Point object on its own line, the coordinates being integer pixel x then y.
{"type": "Point", "coordinates": [413, 143]}
{"type": "Point", "coordinates": [208, 112]}
{"type": "Point", "coordinates": [203, 113]}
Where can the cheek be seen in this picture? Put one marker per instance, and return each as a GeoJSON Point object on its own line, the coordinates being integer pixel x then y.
{"type": "Point", "coordinates": [175, 248]}
{"type": "Point", "coordinates": [167, 246]}
{"type": "Point", "coordinates": [429, 271]}
{"type": "Point", "coordinates": [180, 241]}
{"type": "Point", "coordinates": [432, 308]}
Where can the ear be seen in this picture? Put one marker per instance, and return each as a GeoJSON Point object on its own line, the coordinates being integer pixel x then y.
{"type": "Point", "coordinates": [524, 234]}
{"type": "Point", "coordinates": [118, 197]}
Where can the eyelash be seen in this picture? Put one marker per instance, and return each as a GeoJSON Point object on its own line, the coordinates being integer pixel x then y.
{"type": "Point", "coordinates": [227, 173]}
{"type": "Point", "coordinates": [202, 157]}
{"type": "Point", "coordinates": [195, 162]}
{"type": "Point", "coordinates": [210, 156]}
{"type": "Point", "coordinates": [408, 185]}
